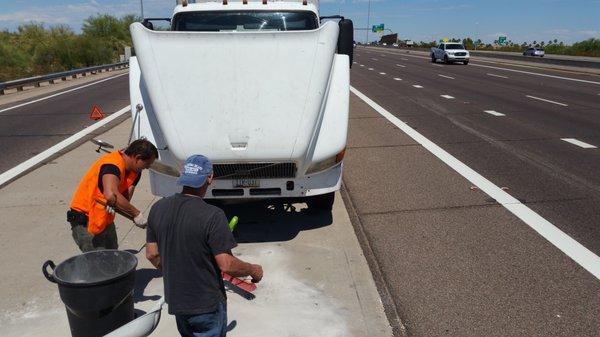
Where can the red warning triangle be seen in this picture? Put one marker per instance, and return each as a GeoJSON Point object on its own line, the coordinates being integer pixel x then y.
{"type": "Point", "coordinates": [96, 113]}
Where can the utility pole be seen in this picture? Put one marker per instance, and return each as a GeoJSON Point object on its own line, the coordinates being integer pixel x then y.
{"type": "Point", "coordinates": [368, 22]}
{"type": "Point", "coordinates": [142, 7]}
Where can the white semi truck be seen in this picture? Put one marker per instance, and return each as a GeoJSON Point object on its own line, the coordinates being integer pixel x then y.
{"type": "Point", "coordinates": [260, 87]}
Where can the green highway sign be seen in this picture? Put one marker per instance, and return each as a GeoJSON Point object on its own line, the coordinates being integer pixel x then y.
{"type": "Point", "coordinates": [502, 40]}
{"type": "Point", "coordinates": [378, 28]}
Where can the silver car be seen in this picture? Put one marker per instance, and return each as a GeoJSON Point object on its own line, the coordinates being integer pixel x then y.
{"type": "Point", "coordinates": [534, 52]}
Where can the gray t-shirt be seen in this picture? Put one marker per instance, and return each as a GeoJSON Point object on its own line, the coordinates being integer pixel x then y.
{"type": "Point", "coordinates": [189, 233]}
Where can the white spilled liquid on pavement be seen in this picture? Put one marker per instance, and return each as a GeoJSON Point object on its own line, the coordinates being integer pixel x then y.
{"type": "Point", "coordinates": [284, 304]}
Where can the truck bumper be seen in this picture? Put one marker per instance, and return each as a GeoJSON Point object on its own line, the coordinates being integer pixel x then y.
{"type": "Point", "coordinates": [320, 183]}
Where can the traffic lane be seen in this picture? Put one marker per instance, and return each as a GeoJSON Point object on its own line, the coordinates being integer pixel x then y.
{"type": "Point", "coordinates": [573, 90]}
{"type": "Point", "coordinates": [30, 129]}
{"type": "Point", "coordinates": [454, 124]}
{"type": "Point", "coordinates": [533, 126]}
{"type": "Point", "coordinates": [555, 120]}
{"type": "Point", "coordinates": [59, 88]}
{"type": "Point", "coordinates": [418, 55]}
{"type": "Point", "coordinates": [459, 268]}
{"type": "Point", "coordinates": [531, 168]}
{"type": "Point", "coordinates": [574, 93]}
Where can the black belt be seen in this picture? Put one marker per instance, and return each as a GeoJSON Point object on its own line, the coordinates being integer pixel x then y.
{"type": "Point", "coordinates": [77, 218]}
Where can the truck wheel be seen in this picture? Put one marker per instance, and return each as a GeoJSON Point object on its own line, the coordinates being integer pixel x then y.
{"type": "Point", "coordinates": [433, 58]}
{"type": "Point", "coordinates": [446, 59]}
{"type": "Point", "coordinates": [466, 62]}
{"type": "Point", "coordinates": [323, 202]}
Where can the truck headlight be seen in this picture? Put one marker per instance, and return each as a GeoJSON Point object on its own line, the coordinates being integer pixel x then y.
{"type": "Point", "coordinates": [326, 163]}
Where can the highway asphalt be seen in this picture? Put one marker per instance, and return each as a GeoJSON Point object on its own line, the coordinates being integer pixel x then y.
{"type": "Point", "coordinates": [451, 260]}
{"type": "Point", "coordinates": [29, 129]}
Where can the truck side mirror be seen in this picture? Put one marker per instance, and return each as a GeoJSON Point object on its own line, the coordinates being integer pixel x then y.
{"type": "Point", "coordinates": [345, 43]}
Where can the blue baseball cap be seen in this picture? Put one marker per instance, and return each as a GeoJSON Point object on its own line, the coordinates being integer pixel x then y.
{"type": "Point", "coordinates": [195, 171]}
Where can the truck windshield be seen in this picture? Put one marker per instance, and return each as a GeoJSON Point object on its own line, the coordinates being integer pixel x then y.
{"type": "Point", "coordinates": [216, 21]}
{"type": "Point", "coordinates": [454, 46]}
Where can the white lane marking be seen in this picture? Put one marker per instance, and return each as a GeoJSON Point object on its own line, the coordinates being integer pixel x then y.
{"type": "Point", "coordinates": [403, 59]}
{"type": "Point", "coordinates": [546, 100]}
{"type": "Point", "coordinates": [397, 79]}
{"type": "Point", "coordinates": [383, 55]}
{"type": "Point", "coordinates": [33, 161]}
{"type": "Point", "coordinates": [381, 73]}
{"type": "Point", "coordinates": [447, 96]}
{"type": "Point", "coordinates": [437, 65]}
{"type": "Point", "coordinates": [403, 66]}
{"type": "Point", "coordinates": [577, 252]}
{"type": "Point", "coordinates": [494, 113]}
{"type": "Point", "coordinates": [62, 92]}
{"type": "Point", "coordinates": [354, 62]}
{"type": "Point", "coordinates": [370, 68]}
{"type": "Point", "coordinates": [537, 74]}
{"type": "Point", "coordinates": [374, 59]}
{"type": "Point", "coordinates": [418, 86]}
{"type": "Point", "coordinates": [579, 143]}
{"type": "Point", "coordinates": [362, 65]}
{"type": "Point", "coordinates": [494, 75]}
{"type": "Point", "coordinates": [444, 76]}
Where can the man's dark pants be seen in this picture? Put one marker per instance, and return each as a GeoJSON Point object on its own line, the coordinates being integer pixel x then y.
{"type": "Point", "coordinates": [212, 324]}
{"type": "Point", "coordinates": [88, 242]}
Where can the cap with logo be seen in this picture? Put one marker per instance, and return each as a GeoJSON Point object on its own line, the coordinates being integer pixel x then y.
{"type": "Point", "coordinates": [195, 171]}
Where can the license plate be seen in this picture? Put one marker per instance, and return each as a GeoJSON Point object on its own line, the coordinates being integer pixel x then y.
{"type": "Point", "coordinates": [246, 183]}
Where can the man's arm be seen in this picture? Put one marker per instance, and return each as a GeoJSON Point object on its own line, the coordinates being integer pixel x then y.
{"type": "Point", "coordinates": [152, 254]}
{"type": "Point", "coordinates": [129, 193]}
{"type": "Point", "coordinates": [110, 183]}
{"type": "Point", "coordinates": [236, 267]}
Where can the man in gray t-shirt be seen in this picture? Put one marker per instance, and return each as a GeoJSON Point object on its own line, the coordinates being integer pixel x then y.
{"type": "Point", "coordinates": [190, 241]}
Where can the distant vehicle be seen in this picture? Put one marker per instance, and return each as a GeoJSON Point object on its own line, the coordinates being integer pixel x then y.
{"type": "Point", "coordinates": [449, 53]}
{"type": "Point", "coordinates": [534, 52]}
{"type": "Point", "coordinates": [395, 45]}
{"type": "Point", "coordinates": [354, 44]}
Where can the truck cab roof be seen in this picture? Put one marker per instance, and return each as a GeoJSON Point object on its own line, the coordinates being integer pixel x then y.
{"type": "Point", "coordinates": [251, 5]}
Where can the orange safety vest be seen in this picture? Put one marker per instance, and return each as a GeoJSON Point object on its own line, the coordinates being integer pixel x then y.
{"type": "Point", "coordinates": [84, 200]}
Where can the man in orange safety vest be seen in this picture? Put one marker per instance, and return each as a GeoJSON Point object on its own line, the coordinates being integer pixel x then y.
{"type": "Point", "coordinates": [108, 184]}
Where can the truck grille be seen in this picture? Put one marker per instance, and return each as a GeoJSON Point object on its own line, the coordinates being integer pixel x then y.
{"type": "Point", "coordinates": [254, 171]}
{"type": "Point", "coordinates": [460, 54]}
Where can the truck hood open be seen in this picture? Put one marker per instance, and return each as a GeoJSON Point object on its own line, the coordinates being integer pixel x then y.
{"type": "Point", "coordinates": [237, 96]}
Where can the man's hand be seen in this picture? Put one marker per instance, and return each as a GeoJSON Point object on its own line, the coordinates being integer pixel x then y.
{"type": "Point", "coordinates": [257, 273]}
{"type": "Point", "coordinates": [140, 221]}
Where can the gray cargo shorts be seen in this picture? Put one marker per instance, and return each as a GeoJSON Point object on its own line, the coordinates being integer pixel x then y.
{"type": "Point", "coordinates": [88, 242]}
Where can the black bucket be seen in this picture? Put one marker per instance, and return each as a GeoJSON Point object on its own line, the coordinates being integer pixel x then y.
{"type": "Point", "coordinates": [97, 290]}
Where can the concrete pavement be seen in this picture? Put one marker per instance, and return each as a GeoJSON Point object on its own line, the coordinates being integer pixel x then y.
{"type": "Point", "coordinates": [316, 283]}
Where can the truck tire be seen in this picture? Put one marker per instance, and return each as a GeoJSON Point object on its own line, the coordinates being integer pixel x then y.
{"type": "Point", "coordinates": [466, 62]}
{"type": "Point", "coordinates": [433, 58]}
{"type": "Point", "coordinates": [322, 202]}
{"type": "Point", "coordinates": [446, 59]}
{"type": "Point", "coordinates": [345, 43]}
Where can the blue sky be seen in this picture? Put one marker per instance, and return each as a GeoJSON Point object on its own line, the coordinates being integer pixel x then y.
{"type": "Point", "coordinates": [520, 20]}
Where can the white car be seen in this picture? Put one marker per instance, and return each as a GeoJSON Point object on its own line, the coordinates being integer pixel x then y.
{"type": "Point", "coordinates": [534, 52]}
{"type": "Point", "coordinates": [449, 53]}
{"type": "Point", "coordinates": [260, 88]}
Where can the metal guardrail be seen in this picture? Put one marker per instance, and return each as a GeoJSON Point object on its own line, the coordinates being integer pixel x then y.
{"type": "Point", "coordinates": [50, 78]}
